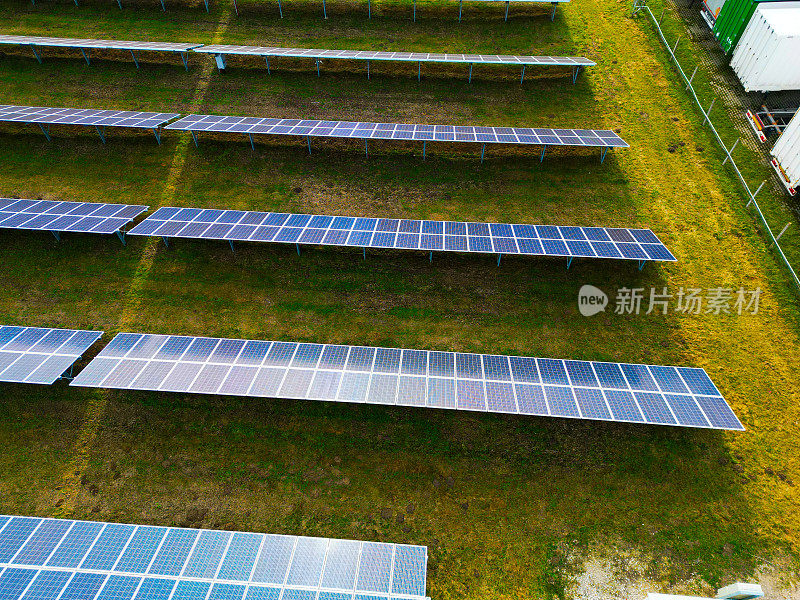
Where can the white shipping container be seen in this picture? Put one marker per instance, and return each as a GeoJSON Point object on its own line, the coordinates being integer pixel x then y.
{"type": "Point", "coordinates": [767, 57]}
{"type": "Point", "coordinates": [786, 155]}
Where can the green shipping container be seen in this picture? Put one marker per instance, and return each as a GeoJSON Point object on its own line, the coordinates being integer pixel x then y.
{"type": "Point", "coordinates": [733, 18]}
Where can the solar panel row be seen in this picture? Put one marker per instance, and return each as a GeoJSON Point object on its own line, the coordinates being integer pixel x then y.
{"type": "Point", "coordinates": [452, 236]}
{"type": "Point", "coordinates": [604, 139]}
{"type": "Point", "coordinates": [41, 355]}
{"type": "Point", "coordinates": [49, 215]}
{"type": "Point", "coordinates": [47, 559]}
{"type": "Point", "coordinates": [661, 395]}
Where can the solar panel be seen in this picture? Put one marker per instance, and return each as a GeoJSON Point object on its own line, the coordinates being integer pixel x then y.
{"type": "Point", "coordinates": [604, 139]}
{"type": "Point", "coordinates": [221, 50]}
{"type": "Point", "coordinates": [55, 216]}
{"type": "Point", "coordinates": [40, 354]}
{"type": "Point", "coordinates": [42, 115]}
{"type": "Point", "coordinates": [53, 558]}
{"type": "Point", "coordinates": [657, 395]}
{"type": "Point", "coordinates": [405, 234]}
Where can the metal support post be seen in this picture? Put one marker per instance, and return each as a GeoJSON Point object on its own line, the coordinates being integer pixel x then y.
{"type": "Point", "coordinates": [207, 10]}
{"type": "Point", "coordinates": [252, 144]}
{"type": "Point", "coordinates": [777, 237]}
{"type": "Point", "coordinates": [194, 137]}
{"type": "Point", "coordinates": [157, 134]}
{"type": "Point", "coordinates": [298, 248]}
{"type": "Point", "coordinates": [736, 143]}
{"type": "Point", "coordinates": [710, 106]}
{"type": "Point", "coordinates": [675, 47]}
{"type": "Point", "coordinates": [364, 251]}
{"type": "Point", "coordinates": [470, 72]}
{"type": "Point", "coordinates": [101, 132]}
{"type": "Point", "coordinates": [689, 83]}
{"type": "Point", "coordinates": [185, 61]}
{"type": "Point", "coordinates": [499, 256]}
{"type": "Point", "coordinates": [575, 72]}
{"type": "Point", "coordinates": [369, 9]}
{"type": "Point", "coordinates": [642, 263]}
{"type": "Point", "coordinates": [460, 4]}
{"type": "Point", "coordinates": [308, 137]}
{"type": "Point", "coordinates": [166, 241]}
{"type": "Point", "coordinates": [85, 53]}
{"type": "Point", "coordinates": [521, 79]}
{"type": "Point", "coordinates": [544, 149]}
{"type": "Point", "coordinates": [366, 148]}
{"type": "Point", "coordinates": [280, 8]}
{"type": "Point", "coordinates": [424, 144]}
{"type": "Point", "coordinates": [603, 153]}
{"type": "Point", "coordinates": [419, 71]}
{"type": "Point", "coordinates": [45, 131]}
{"type": "Point", "coordinates": [324, 9]}
{"type": "Point", "coordinates": [163, 8]}
{"type": "Point", "coordinates": [430, 257]}
{"type": "Point", "coordinates": [483, 151]}
{"type": "Point", "coordinates": [415, 11]}
{"type": "Point", "coordinates": [236, 8]}
{"type": "Point", "coordinates": [135, 60]}
{"type": "Point", "coordinates": [316, 60]}
{"type": "Point", "coordinates": [119, 3]}
{"type": "Point", "coordinates": [553, 14]}
{"type": "Point", "coordinates": [569, 262]}
{"type": "Point", "coordinates": [755, 193]}
{"type": "Point", "coordinates": [507, 5]}
{"type": "Point", "coordinates": [232, 248]}
{"type": "Point", "coordinates": [367, 70]}
{"type": "Point", "coordinates": [121, 236]}
{"type": "Point", "coordinates": [57, 235]}
{"type": "Point", "coordinates": [267, 59]}
{"type": "Point", "coordinates": [220, 60]}
{"type": "Point", "coordinates": [36, 54]}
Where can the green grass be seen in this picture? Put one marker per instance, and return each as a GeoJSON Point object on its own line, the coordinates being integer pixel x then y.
{"type": "Point", "coordinates": [508, 506]}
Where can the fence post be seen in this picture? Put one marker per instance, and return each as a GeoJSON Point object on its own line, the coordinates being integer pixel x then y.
{"type": "Point", "coordinates": [689, 84]}
{"type": "Point", "coordinates": [729, 152]}
{"type": "Point", "coordinates": [777, 237]}
{"type": "Point", "coordinates": [753, 197]}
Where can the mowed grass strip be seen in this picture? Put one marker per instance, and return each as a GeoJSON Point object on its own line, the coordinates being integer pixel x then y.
{"type": "Point", "coordinates": [508, 506]}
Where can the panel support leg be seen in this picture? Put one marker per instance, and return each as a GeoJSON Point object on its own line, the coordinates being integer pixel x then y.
{"type": "Point", "coordinates": [575, 72]}
{"type": "Point", "coordinates": [298, 248]}
{"type": "Point", "coordinates": [544, 149]}
{"type": "Point", "coordinates": [419, 71]}
{"type": "Point", "coordinates": [163, 8]}
{"type": "Point", "coordinates": [324, 9]}
{"type": "Point", "coordinates": [603, 153]}
{"type": "Point", "coordinates": [364, 252]}
{"type": "Point", "coordinates": [316, 60]}
{"type": "Point", "coordinates": [85, 53]}
{"type": "Point", "coordinates": [185, 61]}
{"type": "Point", "coordinates": [280, 8]}
{"type": "Point", "coordinates": [366, 148]}
{"type": "Point", "coordinates": [57, 235]}
{"type": "Point", "coordinates": [483, 152]}
{"type": "Point", "coordinates": [119, 3]}
{"type": "Point", "coordinates": [101, 131]}
{"type": "Point", "coordinates": [166, 241]}
{"type": "Point", "coordinates": [194, 137]}
{"type": "Point", "coordinates": [499, 256]}
{"type": "Point", "coordinates": [252, 144]}
{"type": "Point", "coordinates": [369, 9]}
{"type": "Point", "coordinates": [460, 5]}
{"type": "Point", "coordinates": [308, 137]}
{"type": "Point", "coordinates": [641, 264]}
{"type": "Point", "coordinates": [267, 59]}
{"type": "Point", "coordinates": [470, 73]}
{"type": "Point", "coordinates": [157, 134]}
{"type": "Point", "coordinates": [207, 10]}
{"type": "Point", "coordinates": [220, 60]}
{"type": "Point", "coordinates": [232, 248]}
{"type": "Point", "coordinates": [553, 14]}
{"type": "Point", "coordinates": [507, 5]}
{"type": "Point", "coordinates": [121, 237]}
{"type": "Point", "coordinates": [45, 131]}
{"type": "Point", "coordinates": [236, 8]}
{"type": "Point", "coordinates": [135, 60]}
{"type": "Point", "coordinates": [430, 257]}
{"type": "Point", "coordinates": [521, 79]}
{"type": "Point", "coordinates": [424, 144]}
{"type": "Point", "coordinates": [415, 11]}
{"type": "Point", "coordinates": [367, 70]}
{"type": "Point", "coordinates": [36, 54]}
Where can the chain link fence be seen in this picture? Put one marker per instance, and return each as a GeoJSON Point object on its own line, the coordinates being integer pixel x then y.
{"type": "Point", "coordinates": [640, 6]}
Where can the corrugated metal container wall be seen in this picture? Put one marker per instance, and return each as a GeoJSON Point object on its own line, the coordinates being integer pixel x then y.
{"type": "Point", "coordinates": [766, 57]}
{"type": "Point", "coordinates": [731, 21]}
{"type": "Point", "coordinates": [787, 152]}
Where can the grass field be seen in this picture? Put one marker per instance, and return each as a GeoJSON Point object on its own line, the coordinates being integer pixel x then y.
{"type": "Point", "coordinates": [508, 507]}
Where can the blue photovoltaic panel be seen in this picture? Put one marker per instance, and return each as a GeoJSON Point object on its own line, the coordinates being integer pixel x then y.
{"type": "Point", "coordinates": [43, 115]}
{"type": "Point", "coordinates": [405, 234]}
{"type": "Point", "coordinates": [39, 354]}
{"type": "Point", "coordinates": [602, 138]}
{"type": "Point", "coordinates": [39, 560]}
{"type": "Point", "coordinates": [52, 42]}
{"type": "Point", "coordinates": [404, 377]}
{"type": "Point", "coordinates": [52, 215]}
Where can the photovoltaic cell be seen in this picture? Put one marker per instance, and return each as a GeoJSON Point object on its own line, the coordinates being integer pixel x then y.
{"type": "Point", "coordinates": [196, 565]}
{"type": "Point", "coordinates": [43, 115]}
{"type": "Point", "coordinates": [484, 238]}
{"type": "Point", "coordinates": [41, 355]}
{"type": "Point", "coordinates": [48, 215]}
{"type": "Point", "coordinates": [406, 377]}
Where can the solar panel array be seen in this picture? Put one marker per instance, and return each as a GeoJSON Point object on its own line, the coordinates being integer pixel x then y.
{"type": "Point", "coordinates": [40, 355]}
{"type": "Point", "coordinates": [452, 236]}
{"type": "Point", "coordinates": [84, 116]}
{"type": "Point", "coordinates": [391, 376]}
{"type": "Point", "coordinates": [569, 61]}
{"type": "Point", "coordinates": [50, 215]}
{"type": "Point", "coordinates": [51, 559]}
{"type": "Point", "coordinates": [96, 44]}
{"type": "Point", "coordinates": [399, 131]}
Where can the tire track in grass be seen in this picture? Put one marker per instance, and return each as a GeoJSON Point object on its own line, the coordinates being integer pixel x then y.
{"type": "Point", "coordinates": [96, 408]}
